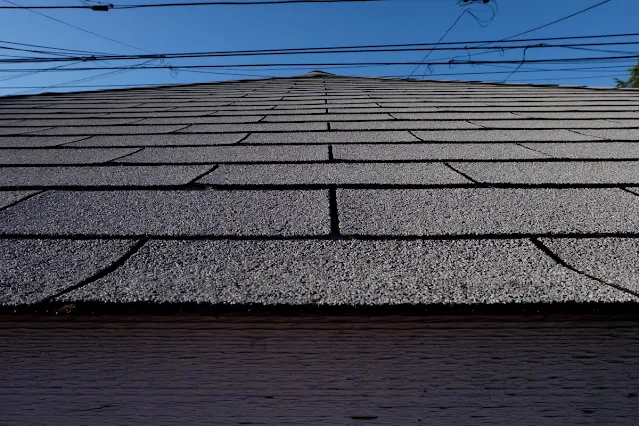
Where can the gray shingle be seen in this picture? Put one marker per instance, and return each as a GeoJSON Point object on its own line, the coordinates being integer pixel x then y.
{"type": "Point", "coordinates": [266, 111]}
{"type": "Point", "coordinates": [343, 272]}
{"type": "Point", "coordinates": [614, 134]}
{"type": "Point", "coordinates": [203, 120]}
{"type": "Point", "coordinates": [595, 172]}
{"type": "Point", "coordinates": [486, 211]}
{"type": "Point", "coordinates": [99, 176]}
{"type": "Point", "coordinates": [322, 174]}
{"type": "Point", "coordinates": [255, 127]}
{"type": "Point", "coordinates": [201, 212]}
{"type": "Point", "coordinates": [588, 150]}
{"type": "Point", "coordinates": [33, 270]}
{"type": "Point", "coordinates": [426, 151]}
{"type": "Point", "coordinates": [53, 121]}
{"type": "Point", "coordinates": [613, 260]}
{"type": "Point", "coordinates": [454, 115]}
{"type": "Point", "coordinates": [227, 154]}
{"type": "Point", "coordinates": [7, 131]}
{"type": "Point", "coordinates": [580, 114]}
{"type": "Point", "coordinates": [502, 136]}
{"type": "Point", "coordinates": [110, 130]}
{"type": "Point", "coordinates": [402, 125]}
{"type": "Point", "coordinates": [9, 197]}
{"type": "Point", "coordinates": [36, 141]}
{"type": "Point", "coordinates": [60, 156]}
{"type": "Point", "coordinates": [161, 140]}
{"type": "Point", "coordinates": [381, 136]}
{"type": "Point", "coordinates": [328, 117]}
{"type": "Point", "coordinates": [544, 124]}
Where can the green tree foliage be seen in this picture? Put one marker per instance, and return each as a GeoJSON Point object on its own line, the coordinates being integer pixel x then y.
{"type": "Point", "coordinates": [633, 81]}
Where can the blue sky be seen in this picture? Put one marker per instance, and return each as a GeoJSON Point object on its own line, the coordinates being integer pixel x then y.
{"type": "Point", "coordinates": [307, 25]}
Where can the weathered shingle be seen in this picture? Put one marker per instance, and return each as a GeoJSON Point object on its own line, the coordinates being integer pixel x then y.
{"type": "Point", "coordinates": [33, 270]}
{"type": "Point", "coordinates": [484, 211]}
{"type": "Point", "coordinates": [344, 273]}
{"type": "Point", "coordinates": [321, 190]}
{"type": "Point", "coordinates": [194, 213]}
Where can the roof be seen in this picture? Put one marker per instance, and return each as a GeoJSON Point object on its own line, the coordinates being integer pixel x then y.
{"type": "Point", "coordinates": [321, 190]}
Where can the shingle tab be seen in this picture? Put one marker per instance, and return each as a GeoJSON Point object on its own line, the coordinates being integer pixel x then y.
{"type": "Point", "coordinates": [110, 130]}
{"type": "Point", "coordinates": [188, 213]}
{"type": "Point", "coordinates": [502, 136]}
{"type": "Point", "coordinates": [480, 211]}
{"type": "Point", "coordinates": [60, 156]}
{"type": "Point", "coordinates": [228, 154]}
{"type": "Point", "coordinates": [325, 174]}
{"type": "Point", "coordinates": [256, 127]}
{"type": "Point", "coordinates": [9, 197]}
{"type": "Point", "coordinates": [426, 151]}
{"type": "Point", "coordinates": [33, 270]}
{"type": "Point", "coordinates": [381, 136]}
{"type": "Point", "coordinates": [401, 125]}
{"type": "Point", "coordinates": [36, 141]}
{"type": "Point", "coordinates": [613, 134]}
{"type": "Point", "coordinates": [613, 260]}
{"type": "Point", "coordinates": [591, 172]}
{"type": "Point", "coordinates": [343, 273]}
{"type": "Point", "coordinates": [99, 176]}
{"type": "Point", "coordinates": [544, 124]}
{"type": "Point", "coordinates": [596, 150]}
{"type": "Point", "coordinates": [328, 117]}
{"type": "Point", "coordinates": [161, 140]}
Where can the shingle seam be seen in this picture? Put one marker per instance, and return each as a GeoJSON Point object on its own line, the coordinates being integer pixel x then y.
{"type": "Point", "coordinates": [174, 131]}
{"type": "Point", "coordinates": [320, 161]}
{"type": "Point", "coordinates": [554, 256]}
{"type": "Point", "coordinates": [245, 137]}
{"type": "Point", "coordinates": [113, 160]}
{"type": "Point", "coordinates": [201, 175]}
{"type": "Point", "coordinates": [342, 236]}
{"type": "Point", "coordinates": [22, 199]}
{"type": "Point", "coordinates": [623, 188]}
{"type": "Point", "coordinates": [102, 272]}
{"type": "Point", "coordinates": [590, 136]}
{"type": "Point", "coordinates": [534, 150]}
{"type": "Point", "coordinates": [311, 186]}
{"type": "Point", "coordinates": [465, 175]}
{"type": "Point", "coordinates": [416, 136]}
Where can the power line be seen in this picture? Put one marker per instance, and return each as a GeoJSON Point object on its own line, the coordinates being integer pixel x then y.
{"type": "Point", "coordinates": [87, 78]}
{"type": "Point", "coordinates": [267, 65]}
{"type": "Point", "coordinates": [308, 52]}
{"type": "Point", "coordinates": [558, 20]}
{"type": "Point", "coordinates": [352, 48]}
{"type": "Point", "coordinates": [107, 7]}
{"type": "Point", "coordinates": [439, 41]}
{"type": "Point", "coordinates": [17, 6]}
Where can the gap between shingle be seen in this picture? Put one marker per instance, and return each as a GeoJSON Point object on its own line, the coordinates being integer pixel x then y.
{"type": "Point", "coordinates": [334, 213]}
{"type": "Point", "coordinates": [590, 136]}
{"type": "Point", "coordinates": [623, 188]}
{"type": "Point", "coordinates": [25, 198]}
{"type": "Point", "coordinates": [554, 256]}
{"type": "Point", "coordinates": [465, 175]}
{"type": "Point", "coordinates": [124, 156]}
{"type": "Point", "coordinates": [102, 272]}
{"type": "Point", "coordinates": [532, 149]}
{"type": "Point", "coordinates": [201, 175]}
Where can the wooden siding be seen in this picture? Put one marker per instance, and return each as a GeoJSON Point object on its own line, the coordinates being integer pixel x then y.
{"type": "Point", "coordinates": [328, 371]}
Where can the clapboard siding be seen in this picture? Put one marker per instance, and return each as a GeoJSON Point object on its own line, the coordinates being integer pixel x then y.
{"type": "Point", "coordinates": [273, 371]}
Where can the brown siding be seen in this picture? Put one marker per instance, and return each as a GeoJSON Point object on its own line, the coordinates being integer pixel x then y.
{"type": "Point", "coordinates": [299, 371]}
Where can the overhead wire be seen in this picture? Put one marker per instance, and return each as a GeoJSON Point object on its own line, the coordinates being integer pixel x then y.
{"type": "Point", "coordinates": [30, 9]}
{"type": "Point", "coordinates": [109, 6]}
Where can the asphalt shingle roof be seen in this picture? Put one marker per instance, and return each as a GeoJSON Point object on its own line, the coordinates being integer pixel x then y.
{"type": "Point", "coordinates": [321, 190]}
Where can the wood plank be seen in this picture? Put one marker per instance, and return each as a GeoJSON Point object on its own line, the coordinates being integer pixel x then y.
{"type": "Point", "coordinates": [318, 370]}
